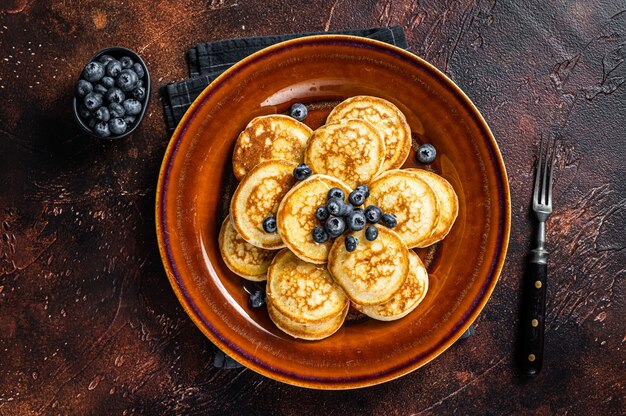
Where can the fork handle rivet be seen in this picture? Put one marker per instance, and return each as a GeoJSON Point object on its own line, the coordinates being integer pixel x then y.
{"type": "Point", "coordinates": [538, 284]}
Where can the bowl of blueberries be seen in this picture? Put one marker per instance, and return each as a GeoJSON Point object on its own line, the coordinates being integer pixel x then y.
{"type": "Point", "coordinates": [112, 93]}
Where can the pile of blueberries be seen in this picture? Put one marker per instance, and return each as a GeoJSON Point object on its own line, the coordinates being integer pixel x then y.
{"type": "Point", "coordinates": [110, 94]}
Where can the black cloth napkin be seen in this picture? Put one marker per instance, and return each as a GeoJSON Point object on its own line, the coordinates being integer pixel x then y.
{"type": "Point", "coordinates": [206, 61]}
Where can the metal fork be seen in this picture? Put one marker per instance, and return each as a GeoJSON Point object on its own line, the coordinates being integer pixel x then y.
{"type": "Point", "coordinates": [534, 319]}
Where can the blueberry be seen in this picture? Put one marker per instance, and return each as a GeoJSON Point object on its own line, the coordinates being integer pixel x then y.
{"type": "Point", "coordinates": [365, 189]}
{"type": "Point", "coordinates": [130, 120]}
{"type": "Point", "coordinates": [298, 111]}
{"type": "Point", "coordinates": [371, 233]}
{"type": "Point", "coordinates": [132, 106]}
{"type": "Point", "coordinates": [83, 88]}
{"type": "Point", "coordinates": [93, 100]}
{"type": "Point", "coordinates": [114, 67]}
{"type": "Point", "coordinates": [269, 224]}
{"type": "Point", "coordinates": [257, 299]}
{"type": "Point", "coordinates": [139, 70]}
{"type": "Point", "coordinates": [389, 220]}
{"type": "Point", "coordinates": [356, 221]}
{"type": "Point", "coordinates": [335, 226]}
{"type": "Point", "coordinates": [115, 95]}
{"type": "Point", "coordinates": [100, 89]}
{"type": "Point", "coordinates": [107, 82]}
{"type": "Point", "coordinates": [320, 235]}
{"type": "Point", "coordinates": [102, 129]}
{"type": "Point", "coordinates": [104, 59]}
{"type": "Point", "coordinates": [139, 93]}
{"type": "Point", "coordinates": [426, 153]}
{"type": "Point", "coordinates": [116, 110]}
{"type": "Point", "coordinates": [322, 213]}
{"type": "Point", "coordinates": [357, 197]}
{"type": "Point", "coordinates": [140, 83]}
{"type": "Point", "coordinates": [117, 126]}
{"type": "Point", "coordinates": [351, 243]}
{"type": "Point", "coordinates": [94, 71]}
{"type": "Point", "coordinates": [373, 214]}
{"type": "Point", "coordinates": [127, 80]}
{"type": "Point", "coordinates": [91, 122]}
{"type": "Point", "coordinates": [346, 210]}
{"type": "Point", "coordinates": [334, 206]}
{"type": "Point", "coordinates": [301, 172]}
{"type": "Point", "coordinates": [336, 193]}
{"type": "Point", "coordinates": [126, 62]}
{"type": "Point", "coordinates": [84, 112]}
{"type": "Point", "coordinates": [102, 114]}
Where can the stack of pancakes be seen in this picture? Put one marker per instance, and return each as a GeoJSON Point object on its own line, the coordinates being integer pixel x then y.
{"type": "Point", "coordinates": [310, 286]}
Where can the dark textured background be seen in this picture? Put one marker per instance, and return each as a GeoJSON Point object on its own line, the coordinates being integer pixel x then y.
{"type": "Point", "coordinates": [88, 322]}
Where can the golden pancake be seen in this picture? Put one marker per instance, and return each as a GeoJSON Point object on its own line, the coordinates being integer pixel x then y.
{"type": "Point", "coordinates": [241, 257]}
{"type": "Point", "coordinates": [404, 300]}
{"type": "Point", "coordinates": [373, 272]}
{"type": "Point", "coordinates": [258, 196]}
{"type": "Point", "coordinates": [307, 331]}
{"type": "Point", "coordinates": [411, 200]}
{"type": "Point", "coordinates": [386, 117]}
{"type": "Point", "coordinates": [269, 137]}
{"type": "Point", "coordinates": [350, 150]}
{"type": "Point", "coordinates": [448, 204]}
{"type": "Point", "coordinates": [296, 217]}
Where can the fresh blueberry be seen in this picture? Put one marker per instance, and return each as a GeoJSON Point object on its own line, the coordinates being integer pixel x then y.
{"type": "Point", "coordinates": [139, 70]}
{"type": "Point", "coordinates": [357, 197]}
{"type": "Point", "coordinates": [84, 112]}
{"type": "Point", "coordinates": [356, 221]}
{"type": "Point", "coordinates": [321, 213]}
{"type": "Point", "coordinates": [269, 224]}
{"type": "Point", "coordinates": [114, 67]}
{"type": "Point", "coordinates": [126, 62]}
{"type": "Point", "coordinates": [335, 226]}
{"type": "Point", "coordinates": [373, 214]}
{"type": "Point", "coordinates": [102, 114]}
{"type": "Point", "coordinates": [301, 172]}
{"type": "Point", "coordinates": [426, 153]}
{"type": "Point", "coordinates": [83, 88]}
{"type": "Point", "coordinates": [102, 129]}
{"type": "Point", "coordinates": [132, 106]}
{"type": "Point", "coordinates": [346, 210]}
{"type": "Point", "coordinates": [130, 120]}
{"type": "Point", "coordinates": [334, 206]}
{"type": "Point", "coordinates": [389, 220]}
{"type": "Point", "coordinates": [117, 126]}
{"type": "Point", "coordinates": [115, 95]}
{"type": "Point", "coordinates": [104, 59]}
{"type": "Point", "coordinates": [140, 82]}
{"type": "Point", "coordinates": [257, 299]}
{"type": "Point", "coordinates": [107, 82]}
{"type": "Point", "coordinates": [320, 235]}
{"type": "Point", "coordinates": [100, 89]}
{"type": "Point", "coordinates": [351, 243]}
{"type": "Point", "coordinates": [336, 193]}
{"type": "Point", "coordinates": [93, 100]}
{"type": "Point", "coordinates": [127, 80]}
{"type": "Point", "coordinates": [298, 111]}
{"type": "Point", "coordinates": [94, 71]}
{"type": "Point", "coordinates": [139, 93]}
{"type": "Point", "coordinates": [116, 110]}
{"type": "Point", "coordinates": [91, 122]}
{"type": "Point", "coordinates": [365, 189]}
{"type": "Point", "coordinates": [371, 233]}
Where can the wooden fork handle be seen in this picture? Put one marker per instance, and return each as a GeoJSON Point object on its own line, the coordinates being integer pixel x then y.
{"type": "Point", "coordinates": [534, 319]}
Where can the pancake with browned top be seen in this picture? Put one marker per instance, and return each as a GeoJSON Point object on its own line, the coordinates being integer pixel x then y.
{"type": "Point", "coordinates": [448, 204]}
{"type": "Point", "coordinates": [351, 150]}
{"type": "Point", "coordinates": [269, 137]}
{"type": "Point", "coordinates": [411, 200]}
{"type": "Point", "coordinates": [302, 298]}
{"type": "Point", "coordinates": [386, 117]}
{"type": "Point", "coordinates": [373, 272]}
{"type": "Point", "coordinates": [296, 216]}
{"type": "Point", "coordinates": [241, 257]}
{"type": "Point", "coordinates": [405, 300]}
{"type": "Point", "coordinates": [257, 197]}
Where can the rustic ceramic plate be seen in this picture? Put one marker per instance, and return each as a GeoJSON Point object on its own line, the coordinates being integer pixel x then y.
{"type": "Point", "coordinates": [196, 182]}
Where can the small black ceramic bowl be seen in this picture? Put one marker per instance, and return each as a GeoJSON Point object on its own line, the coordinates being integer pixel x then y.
{"type": "Point", "coordinates": [116, 52]}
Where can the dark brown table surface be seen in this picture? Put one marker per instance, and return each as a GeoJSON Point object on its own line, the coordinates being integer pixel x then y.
{"type": "Point", "coordinates": [88, 322]}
